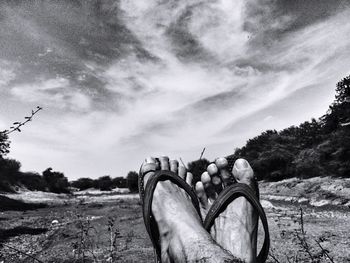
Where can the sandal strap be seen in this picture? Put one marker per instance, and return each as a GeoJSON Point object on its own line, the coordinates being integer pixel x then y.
{"type": "Point", "coordinates": [225, 198]}
{"type": "Point", "coordinates": [147, 198]}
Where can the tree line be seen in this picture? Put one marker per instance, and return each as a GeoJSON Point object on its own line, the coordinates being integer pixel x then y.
{"type": "Point", "coordinates": [11, 177]}
{"type": "Point", "coordinates": [56, 182]}
{"type": "Point", "coordinates": [314, 148]}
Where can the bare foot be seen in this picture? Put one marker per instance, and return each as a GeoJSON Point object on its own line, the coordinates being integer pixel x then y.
{"type": "Point", "coordinates": [235, 229]}
{"type": "Point", "coordinates": [182, 236]}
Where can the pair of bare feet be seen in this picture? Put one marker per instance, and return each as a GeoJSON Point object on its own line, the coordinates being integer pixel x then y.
{"type": "Point", "coordinates": [182, 237]}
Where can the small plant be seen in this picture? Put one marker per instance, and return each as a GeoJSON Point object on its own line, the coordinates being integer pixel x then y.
{"type": "Point", "coordinates": [128, 239]}
{"type": "Point", "coordinates": [308, 250]}
{"type": "Point", "coordinates": [113, 235]}
{"type": "Point", "coordinates": [85, 244]}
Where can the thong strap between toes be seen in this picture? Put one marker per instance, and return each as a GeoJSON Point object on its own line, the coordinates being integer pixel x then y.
{"type": "Point", "coordinates": [147, 198]}
{"type": "Point", "coordinates": [225, 198]}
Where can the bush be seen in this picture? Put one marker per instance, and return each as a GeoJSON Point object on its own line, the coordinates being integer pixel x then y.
{"type": "Point", "coordinates": [197, 168]}
{"type": "Point", "coordinates": [119, 182]}
{"type": "Point", "coordinates": [83, 183]}
{"type": "Point", "coordinates": [104, 183]}
{"type": "Point", "coordinates": [32, 181]}
{"type": "Point", "coordinates": [132, 181]}
{"type": "Point", "coordinates": [56, 181]}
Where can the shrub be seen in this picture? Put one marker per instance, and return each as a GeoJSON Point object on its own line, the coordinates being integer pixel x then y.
{"type": "Point", "coordinates": [56, 181]}
{"type": "Point", "coordinates": [32, 181]}
{"type": "Point", "coordinates": [119, 182]}
{"type": "Point", "coordinates": [197, 168]}
{"type": "Point", "coordinates": [132, 181]}
{"type": "Point", "coordinates": [83, 183]}
{"type": "Point", "coordinates": [104, 183]}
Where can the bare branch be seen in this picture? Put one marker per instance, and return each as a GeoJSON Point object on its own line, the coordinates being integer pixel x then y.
{"type": "Point", "coordinates": [324, 251]}
{"type": "Point", "coordinates": [16, 125]}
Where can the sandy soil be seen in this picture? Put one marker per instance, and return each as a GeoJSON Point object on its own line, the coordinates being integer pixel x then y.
{"type": "Point", "coordinates": [109, 228]}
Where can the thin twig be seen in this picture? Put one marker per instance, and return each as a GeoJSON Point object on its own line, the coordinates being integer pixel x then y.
{"type": "Point", "coordinates": [19, 251]}
{"type": "Point", "coordinates": [202, 154]}
{"type": "Point", "coordinates": [16, 125]}
{"type": "Point", "coordinates": [183, 163]}
{"type": "Point", "coordinates": [325, 251]}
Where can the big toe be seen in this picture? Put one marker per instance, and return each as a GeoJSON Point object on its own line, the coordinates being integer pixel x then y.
{"type": "Point", "coordinates": [242, 171]}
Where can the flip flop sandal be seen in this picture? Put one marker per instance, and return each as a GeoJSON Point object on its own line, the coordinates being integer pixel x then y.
{"type": "Point", "coordinates": [146, 196]}
{"type": "Point", "coordinates": [229, 194]}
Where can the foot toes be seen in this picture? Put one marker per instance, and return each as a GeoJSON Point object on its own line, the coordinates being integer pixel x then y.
{"type": "Point", "coordinates": [242, 171]}
{"type": "Point", "coordinates": [208, 186]}
{"type": "Point", "coordinates": [226, 177]}
{"type": "Point", "coordinates": [174, 166]}
{"type": "Point", "coordinates": [164, 163]}
{"type": "Point", "coordinates": [148, 167]}
{"type": "Point", "coordinates": [202, 196]}
{"type": "Point", "coordinates": [182, 171]}
{"type": "Point", "coordinates": [213, 170]}
{"type": "Point", "coordinates": [189, 178]}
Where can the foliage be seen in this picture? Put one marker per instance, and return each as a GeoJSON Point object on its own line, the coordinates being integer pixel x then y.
{"type": "Point", "coordinates": [119, 182]}
{"type": "Point", "coordinates": [197, 168]}
{"type": "Point", "coordinates": [104, 183]}
{"type": "Point", "coordinates": [83, 183]}
{"type": "Point", "coordinates": [4, 145]}
{"type": "Point", "coordinates": [32, 181]}
{"type": "Point", "coordinates": [132, 181]}
{"type": "Point", "coordinates": [314, 148]}
{"type": "Point", "coordinates": [10, 174]}
{"type": "Point", "coordinates": [56, 181]}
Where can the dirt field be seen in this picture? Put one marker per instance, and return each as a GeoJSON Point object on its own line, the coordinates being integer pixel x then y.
{"type": "Point", "coordinates": [109, 228]}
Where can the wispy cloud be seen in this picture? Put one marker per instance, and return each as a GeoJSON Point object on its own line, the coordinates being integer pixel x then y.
{"type": "Point", "coordinates": [120, 81]}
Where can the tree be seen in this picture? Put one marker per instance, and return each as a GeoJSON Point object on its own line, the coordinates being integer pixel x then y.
{"type": "Point", "coordinates": [4, 145]}
{"type": "Point", "coordinates": [197, 168]}
{"type": "Point", "coordinates": [343, 91]}
{"type": "Point", "coordinates": [104, 183]}
{"type": "Point", "coordinates": [132, 181]}
{"type": "Point", "coordinates": [32, 181]}
{"type": "Point", "coordinates": [83, 183]}
{"type": "Point", "coordinates": [119, 182]}
{"type": "Point", "coordinates": [338, 114]}
{"type": "Point", "coordinates": [56, 181]}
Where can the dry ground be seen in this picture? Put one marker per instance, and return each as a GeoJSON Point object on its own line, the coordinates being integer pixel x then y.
{"type": "Point", "coordinates": [85, 232]}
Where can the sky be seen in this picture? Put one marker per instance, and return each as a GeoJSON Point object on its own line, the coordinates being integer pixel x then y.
{"type": "Point", "coordinates": [122, 80]}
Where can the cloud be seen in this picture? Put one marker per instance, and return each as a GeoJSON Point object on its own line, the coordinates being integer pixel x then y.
{"type": "Point", "coordinates": [127, 79]}
{"type": "Point", "coordinates": [54, 93]}
{"type": "Point", "coordinates": [7, 72]}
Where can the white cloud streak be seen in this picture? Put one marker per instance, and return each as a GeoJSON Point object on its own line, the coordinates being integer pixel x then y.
{"type": "Point", "coordinates": [177, 104]}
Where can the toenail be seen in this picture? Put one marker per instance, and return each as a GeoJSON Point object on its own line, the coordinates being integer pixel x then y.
{"type": "Point", "coordinates": [216, 180]}
{"type": "Point", "coordinates": [241, 164]}
{"type": "Point", "coordinates": [148, 167]}
{"type": "Point", "coordinates": [164, 158]}
{"type": "Point", "coordinates": [174, 163]}
{"type": "Point", "coordinates": [150, 160]}
{"type": "Point", "coordinates": [205, 178]}
{"type": "Point", "coordinates": [212, 169]}
{"type": "Point", "coordinates": [221, 162]}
